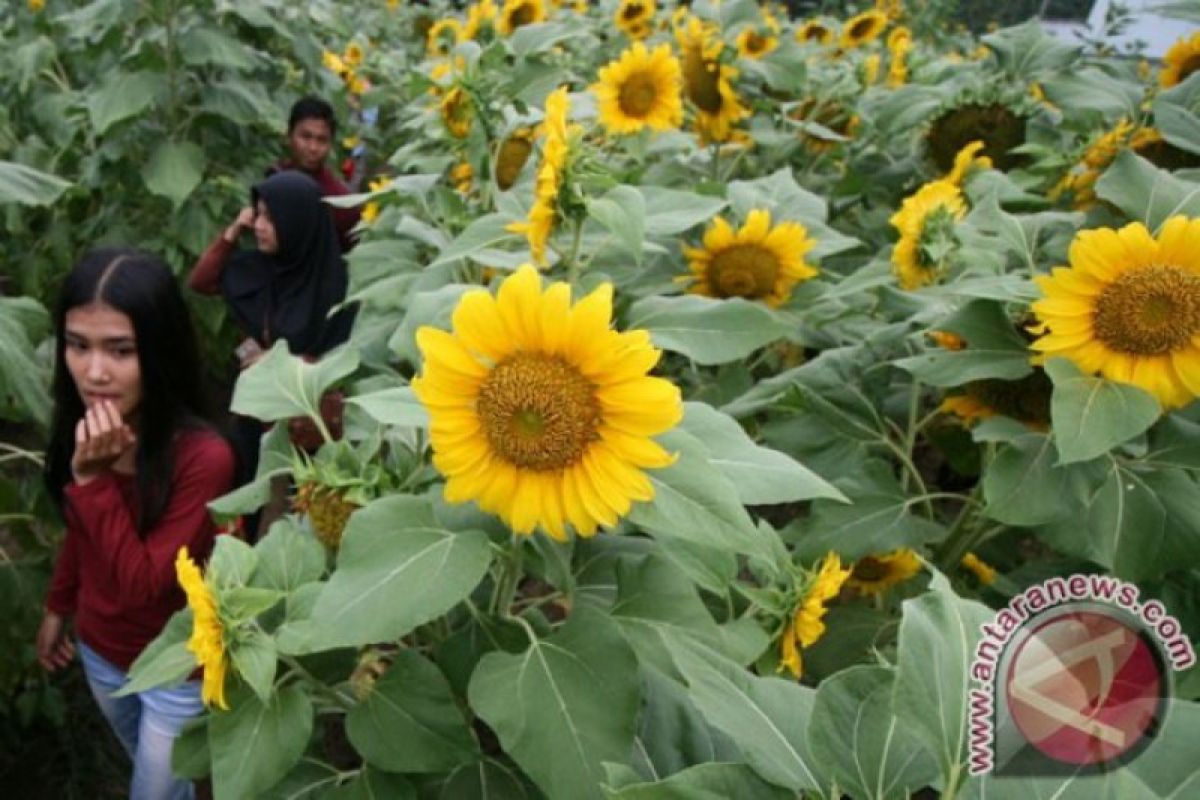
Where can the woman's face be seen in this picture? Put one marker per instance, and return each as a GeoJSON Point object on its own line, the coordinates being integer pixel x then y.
{"type": "Point", "coordinates": [264, 230]}
{"type": "Point", "coordinates": [100, 350]}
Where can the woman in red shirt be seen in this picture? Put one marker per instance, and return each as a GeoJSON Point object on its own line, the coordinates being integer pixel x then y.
{"type": "Point", "coordinates": [132, 465]}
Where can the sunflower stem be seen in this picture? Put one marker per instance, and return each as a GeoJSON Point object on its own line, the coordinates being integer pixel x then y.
{"type": "Point", "coordinates": [573, 265]}
{"type": "Point", "coordinates": [964, 534]}
{"type": "Point", "coordinates": [510, 577]}
{"type": "Point", "coordinates": [714, 162]}
{"type": "Point", "coordinates": [319, 686]}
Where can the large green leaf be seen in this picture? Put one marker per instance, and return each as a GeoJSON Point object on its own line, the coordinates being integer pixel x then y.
{"type": "Point", "coordinates": [174, 170]}
{"type": "Point", "coordinates": [1091, 415]}
{"type": "Point", "coordinates": [1094, 90]}
{"type": "Point", "coordinates": [565, 705]}
{"type": "Point", "coordinates": [166, 660]}
{"type": "Point", "coordinates": [766, 717]}
{"type": "Point", "coordinates": [202, 46]}
{"type": "Point", "coordinates": [395, 406]}
{"type": "Point", "coordinates": [1146, 193]}
{"type": "Point", "coordinates": [410, 722]}
{"type": "Point", "coordinates": [23, 380]}
{"type": "Point", "coordinates": [1026, 51]}
{"type": "Point", "coordinates": [122, 95]}
{"type": "Point", "coordinates": [761, 476]}
{"type": "Point", "coordinates": [622, 211]}
{"type": "Point", "coordinates": [1176, 114]}
{"type": "Point", "coordinates": [671, 211]}
{"type": "Point", "coordinates": [281, 385]}
{"type": "Point", "coordinates": [485, 780]}
{"type": "Point", "coordinates": [854, 733]}
{"type": "Point", "coordinates": [707, 330]}
{"type": "Point", "coordinates": [672, 733]}
{"type": "Point", "coordinates": [374, 784]}
{"type": "Point", "coordinates": [255, 744]}
{"type": "Point", "coordinates": [254, 658]}
{"type": "Point", "coordinates": [717, 781]}
{"type": "Point", "coordinates": [938, 632]}
{"type": "Point", "coordinates": [288, 557]}
{"type": "Point", "coordinates": [479, 238]}
{"type": "Point", "coordinates": [1024, 486]}
{"type": "Point", "coordinates": [28, 186]}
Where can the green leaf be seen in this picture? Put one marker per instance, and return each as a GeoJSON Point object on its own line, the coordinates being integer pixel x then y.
{"type": "Point", "coordinates": [622, 211]}
{"type": "Point", "coordinates": [480, 236]}
{"type": "Point", "coordinates": [122, 95]}
{"type": "Point", "coordinates": [243, 603]}
{"type": "Point", "coordinates": [393, 575]}
{"type": "Point", "coordinates": [484, 780]}
{"type": "Point", "coordinates": [672, 733]}
{"type": "Point", "coordinates": [707, 330]}
{"type": "Point", "coordinates": [232, 563]}
{"type": "Point", "coordinates": [426, 308]}
{"type": "Point", "coordinates": [190, 757]}
{"type": "Point", "coordinates": [1146, 193]}
{"type": "Point", "coordinates": [573, 695]}
{"type": "Point", "coordinates": [765, 717]}
{"type": "Point", "coordinates": [202, 46]}
{"type": "Point", "coordinates": [174, 170]}
{"type": "Point", "coordinates": [854, 733]}
{"type": "Point", "coordinates": [1091, 89]}
{"type": "Point", "coordinates": [288, 557]}
{"type": "Point", "coordinates": [411, 722]}
{"type": "Point", "coordinates": [254, 659]}
{"type": "Point", "coordinates": [778, 190]}
{"type": "Point", "coordinates": [166, 661]}
{"type": "Point", "coordinates": [256, 743]}
{"type": "Point", "coordinates": [671, 211]}
{"type": "Point", "coordinates": [23, 379]}
{"type": "Point", "coordinates": [281, 385]}
{"type": "Point", "coordinates": [1024, 486]}
{"type": "Point", "coordinates": [1175, 115]}
{"type": "Point", "coordinates": [994, 348]}
{"type": "Point", "coordinates": [373, 784]}
{"type": "Point", "coordinates": [761, 476]}
{"type": "Point", "coordinates": [1174, 442]}
{"type": "Point", "coordinates": [1022, 235]}
{"type": "Point", "coordinates": [28, 186]}
{"type": "Point", "coordinates": [1026, 51]}
{"type": "Point", "coordinates": [715, 781]}
{"type": "Point", "coordinates": [540, 37]}
{"type": "Point", "coordinates": [396, 406]}
{"type": "Point", "coordinates": [1091, 416]}
{"type": "Point", "coordinates": [938, 632]}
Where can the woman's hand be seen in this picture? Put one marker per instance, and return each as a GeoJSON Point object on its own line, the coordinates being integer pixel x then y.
{"type": "Point", "coordinates": [54, 647]}
{"type": "Point", "coordinates": [101, 437]}
{"type": "Point", "coordinates": [244, 220]}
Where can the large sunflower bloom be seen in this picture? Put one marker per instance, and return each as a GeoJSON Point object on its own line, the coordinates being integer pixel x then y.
{"type": "Point", "coordinates": [877, 574]}
{"type": "Point", "coordinates": [1181, 61]}
{"type": "Point", "coordinates": [641, 89]}
{"type": "Point", "coordinates": [757, 262]}
{"type": "Point", "coordinates": [924, 216]}
{"type": "Point", "coordinates": [442, 35]}
{"type": "Point", "coordinates": [555, 149]}
{"type": "Point", "coordinates": [1128, 307]}
{"type": "Point", "coordinates": [517, 13]}
{"type": "Point", "coordinates": [539, 411]}
{"type": "Point", "coordinates": [207, 642]}
{"type": "Point", "coordinates": [708, 83]}
{"type": "Point", "coordinates": [634, 16]}
{"type": "Point", "coordinates": [806, 625]}
{"type": "Point", "coordinates": [862, 29]}
{"type": "Point", "coordinates": [966, 161]}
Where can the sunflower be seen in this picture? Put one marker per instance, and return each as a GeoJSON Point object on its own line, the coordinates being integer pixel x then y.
{"type": "Point", "coordinates": [539, 411]}
{"type": "Point", "coordinates": [758, 262]}
{"type": "Point", "coordinates": [870, 69]}
{"type": "Point", "coordinates": [462, 175]}
{"type": "Point", "coordinates": [806, 625]}
{"type": "Point", "coordinates": [708, 83]}
{"type": "Point", "coordinates": [1128, 307]}
{"type": "Point", "coordinates": [442, 36]}
{"type": "Point", "coordinates": [899, 42]}
{"type": "Point", "coordinates": [478, 14]}
{"type": "Point", "coordinates": [457, 112]}
{"type": "Point", "coordinates": [982, 571]}
{"type": "Point", "coordinates": [514, 151]}
{"type": "Point", "coordinates": [207, 642]}
{"type": "Point", "coordinates": [756, 42]}
{"type": "Point", "coordinates": [877, 574]}
{"type": "Point", "coordinates": [862, 29]}
{"type": "Point", "coordinates": [1027, 400]}
{"type": "Point", "coordinates": [1180, 61]}
{"type": "Point", "coordinates": [555, 149]}
{"type": "Point", "coordinates": [634, 16]}
{"type": "Point", "coordinates": [334, 63]}
{"type": "Point", "coordinates": [1000, 129]}
{"type": "Point", "coordinates": [517, 13]}
{"type": "Point", "coordinates": [814, 32]}
{"type": "Point", "coordinates": [371, 210]}
{"type": "Point", "coordinates": [966, 161]}
{"type": "Point", "coordinates": [926, 225]}
{"type": "Point", "coordinates": [640, 90]}
{"type": "Point", "coordinates": [899, 37]}
{"type": "Point", "coordinates": [353, 55]}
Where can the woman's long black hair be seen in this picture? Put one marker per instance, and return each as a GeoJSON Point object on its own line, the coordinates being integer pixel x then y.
{"type": "Point", "coordinates": [140, 286]}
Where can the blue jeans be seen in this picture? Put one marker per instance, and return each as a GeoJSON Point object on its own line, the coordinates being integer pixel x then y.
{"type": "Point", "coordinates": [147, 724]}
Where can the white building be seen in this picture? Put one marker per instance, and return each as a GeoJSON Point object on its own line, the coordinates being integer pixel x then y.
{"type": "Point", "coordinates": [1158, 32]}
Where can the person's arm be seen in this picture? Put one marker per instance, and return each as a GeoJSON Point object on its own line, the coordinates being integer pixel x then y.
{"type": "Point", "coordinates": [205, 276]}
{"type": "Point", "coordinates": [144, 568]}
{"type": "Point", "coordinates": [64, 585]}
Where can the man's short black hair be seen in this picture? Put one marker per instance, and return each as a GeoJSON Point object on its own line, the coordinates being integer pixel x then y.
{"type": "Point", "coordinates": [311, 108]}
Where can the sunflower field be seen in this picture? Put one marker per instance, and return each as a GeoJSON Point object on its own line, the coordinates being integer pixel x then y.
{"type": "Point", "coordinates": [721, 367]}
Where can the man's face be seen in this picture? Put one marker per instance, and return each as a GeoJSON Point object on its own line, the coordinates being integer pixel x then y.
{"type": "Point", "coordinates": [310, 141]}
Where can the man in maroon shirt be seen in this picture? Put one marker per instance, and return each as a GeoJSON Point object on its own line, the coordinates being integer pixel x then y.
{"type": "Point", "coordinates": [311, 128]}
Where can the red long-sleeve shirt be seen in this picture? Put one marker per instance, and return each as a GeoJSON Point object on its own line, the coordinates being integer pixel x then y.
{"type": "Point", "coordinates": [121, 588]}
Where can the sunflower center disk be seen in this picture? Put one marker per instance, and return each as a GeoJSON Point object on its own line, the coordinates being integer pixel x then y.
{"type": "Point", "coordinates": [860, 29]}
{"type": "Point", "coordinates": [638, 94]}
{"type": "Point", "coordinates": [869, 568]}
{"type": "Point", "coordinates": [632, 12]}
{"type": "Point", "coordinates": [743, 270]}
{"type": "Point", "coordinates": [538, 412]}
{"type": "Point", "coordinates": [703, 80]}
{"type": "Point", "coordinates": [523, 15]}
{"type": "Point", "coordinates": [1149, 311]}
{"type": "Point", "coordinates": [756, 43]}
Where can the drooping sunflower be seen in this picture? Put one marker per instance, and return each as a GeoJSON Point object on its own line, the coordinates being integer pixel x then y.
{"type": "Point", "coordinates": [555, 150]}
{"type": "Point", "coordinates": [633, 17]}
{"type": "Point", "coordinates": [862, 29]}
{"type": "Point", "coordinates": [457, 112]}
{"type": "Point", "coordinates": [757, 262]}
{"type": "Point", "coordinates": [999, 127]}
{"type": "Point", "coordinates": [806, 625]}
{"type": "Point", "coordinates": [207, 642]}
{"type": "Point", "coordinates": [1027, 400]}
{"type": "Point", "coordinates": [966, 161]}
{"type": "Point", "coordinates": [1180, 61]}
{"type": "Point", "coordinates": [899, 42]}
{"type": "Point", "coordinates": [511, 156]}
{"type": "Point", "coordinates": [814, 31]}
{"type": "Point", "coordinates": [641, 89]}
{"type": "Point", "coordinates": [517, 13]}
{"type": "Point", "coordinates": [870, 69]}
{"type": "Point", "coordinates": [442, 36]}
{"type": "Point", "coordinates": [877, 574]}
{"type": "Point", "coordinates": [479, 14]}
{"type": "Point", "coordinates": [925, 221]}
{"type": "Point", "coordinates": [1128, 307]}
{"type": "Point", "coordinates": [1144, 140]}
{"type": "Point", "coordinates": [462, 175]}
{"type": "Point", "coordinates": [708, 83]}
{"type": "Point", "coordinates": [539, 411]}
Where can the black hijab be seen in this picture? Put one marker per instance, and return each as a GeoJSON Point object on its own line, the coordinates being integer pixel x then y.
{"type": "Point", "coordinates": [288, 294]}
